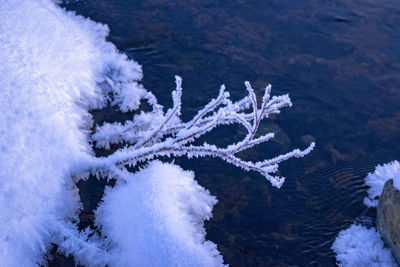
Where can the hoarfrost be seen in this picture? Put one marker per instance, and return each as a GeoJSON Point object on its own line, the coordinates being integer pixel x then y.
{"type": "Point", "coordinates": [377, 180]}
{"type": "Point", "coordinates": [167, 135]}
{"type": "Point", "coordinates": [360, 246]}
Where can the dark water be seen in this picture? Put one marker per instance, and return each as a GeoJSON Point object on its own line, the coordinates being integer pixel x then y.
{"type": "Point", "coordinates": [339, 61]}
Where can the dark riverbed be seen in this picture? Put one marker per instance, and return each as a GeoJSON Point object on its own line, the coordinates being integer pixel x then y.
{"type": "Point", "coordinates": [340, 63]}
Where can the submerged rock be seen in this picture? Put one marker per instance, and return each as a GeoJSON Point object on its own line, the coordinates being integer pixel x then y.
{"type": "Point", "coordinates": [388, 217]}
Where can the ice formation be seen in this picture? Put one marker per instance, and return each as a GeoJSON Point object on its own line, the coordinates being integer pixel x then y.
{"type": "Point", "coordinates": [360, 246]}
{"type": "Point", "coordinates": [377, 179]}
{"type": "Point", "coordinates": [56, 66]}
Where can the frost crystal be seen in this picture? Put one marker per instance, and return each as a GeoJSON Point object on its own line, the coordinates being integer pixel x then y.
{"type": "Point", "coordinates": [167, 135]}
{"type": "Point", "coordinates": [360, 246]}
{"type": "Point", "coordinates": [377, 179]}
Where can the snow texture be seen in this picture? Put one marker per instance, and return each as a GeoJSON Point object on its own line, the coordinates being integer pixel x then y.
{"type": "Point", "coordinates": [54, 67]}
{"type": "Point", "coordinates": [360, 246]}
{"type": "Point", "coordinates": [158, 214]}
{"type": "Point", "coordinates": [377, 179]}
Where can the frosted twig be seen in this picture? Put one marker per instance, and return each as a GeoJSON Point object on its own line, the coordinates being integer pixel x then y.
{"type": "Point", "coordinates": [222, 97]}
{"type": "Point", "coordinates": [175, 111]}
{"type": "Point", "coordinates": [168, 136]}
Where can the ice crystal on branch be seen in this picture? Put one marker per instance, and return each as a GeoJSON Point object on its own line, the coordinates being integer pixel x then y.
{"type": "Point", "coordinates": [157, 134]}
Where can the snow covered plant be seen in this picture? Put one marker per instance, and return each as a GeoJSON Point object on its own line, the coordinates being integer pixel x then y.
{"type": "Point", "coordinates": [57, 67]}
{"type": "Point", "coordinates": [150, 134]}
{"type": "Point", "coordinates": [157, 134]}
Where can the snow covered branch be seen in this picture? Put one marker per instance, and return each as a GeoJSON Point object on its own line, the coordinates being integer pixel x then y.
{"type": "Point", "coordinates": [166, 135]}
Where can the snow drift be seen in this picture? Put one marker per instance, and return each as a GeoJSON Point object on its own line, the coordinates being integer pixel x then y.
{"type": "Point", "coordinates": [162, 223]}
{"type": "Point", "coordinates": [55, 67]}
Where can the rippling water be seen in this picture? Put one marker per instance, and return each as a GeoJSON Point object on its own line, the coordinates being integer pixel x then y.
{"type": "Point", "coordinates": [338, 60]}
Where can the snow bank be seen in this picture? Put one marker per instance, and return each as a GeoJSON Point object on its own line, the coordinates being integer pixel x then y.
{"type": "Point", "coordinates": [52, 63]}
{"type": "Point", "coordinates": [360, 246]}
{"type": "Point", "coordinates": [377, 179]}
{"type": "Point", "coordinates": [156, 219]}
{"type": "Point", "coordinates": [55, 67]}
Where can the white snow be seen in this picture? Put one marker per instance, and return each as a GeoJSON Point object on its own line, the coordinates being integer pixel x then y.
{"type": "Point", "coordinates": [377, 179]}
{"type": "Point", "coordinates": [360, 246]}
{"type": "Point", "coordinates": [158, 214]}
{"type": "Point", "coordinates": [51, 63]}
{"type": "Point", "coordinates": [55, 66]}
